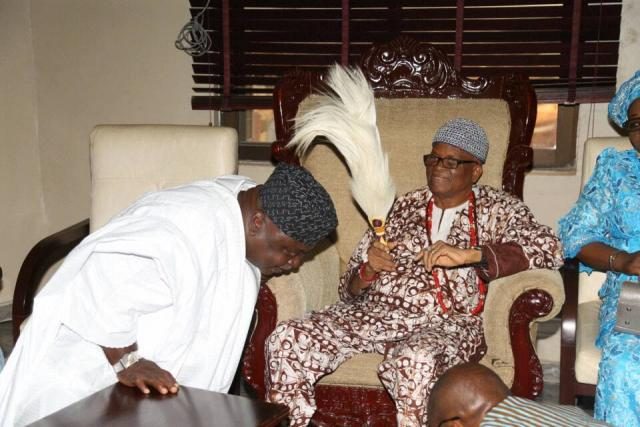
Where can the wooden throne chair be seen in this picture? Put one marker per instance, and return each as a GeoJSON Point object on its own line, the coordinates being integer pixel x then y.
{"type": "Point", "coordinates": [127, 161]}
{"type": "Point", "coordinates": [416, 90]}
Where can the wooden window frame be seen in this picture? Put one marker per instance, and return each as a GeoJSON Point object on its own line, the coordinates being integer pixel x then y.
{"type": "Point", "coordinates": [569, 48]}
{"type": "Point", "coordinates": [563, 156]}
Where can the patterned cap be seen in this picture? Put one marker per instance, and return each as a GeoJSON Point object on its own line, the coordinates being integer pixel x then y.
{"type": "Point", "coordinates": [298, 204]}
{"type": "Point", "coordinates": [619, 106]}
{"type": "Point", "coordinates": [465, 134]}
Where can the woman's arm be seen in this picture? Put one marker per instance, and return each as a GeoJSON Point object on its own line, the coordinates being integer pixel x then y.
{"type": "Point", "coordinates": [589, 220]}
{"type": "Point", "coordinates": [603, 257]}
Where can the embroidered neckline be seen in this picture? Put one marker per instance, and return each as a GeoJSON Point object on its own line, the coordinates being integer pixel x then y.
{"type": "Point", "coordinates": [473, 232]}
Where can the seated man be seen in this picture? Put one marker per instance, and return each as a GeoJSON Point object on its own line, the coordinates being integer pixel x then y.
{"type": "Point", "coordinates": [417, 301]}
{"type": "Point", "coordinates": [472, 395]}
{"type": "Point", "coordinates": [164, 293]}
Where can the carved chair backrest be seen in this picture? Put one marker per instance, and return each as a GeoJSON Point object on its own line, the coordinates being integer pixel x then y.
{"type": "Point", "coordinates": [416, 90]}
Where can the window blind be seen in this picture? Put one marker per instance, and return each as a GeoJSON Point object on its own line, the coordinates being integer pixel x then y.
{"type": "Point", "coordinates": [568, 48]}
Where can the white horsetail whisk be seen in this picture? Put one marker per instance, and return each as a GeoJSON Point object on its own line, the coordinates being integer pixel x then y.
{"type": "Point", "coordinates": [345, 114]}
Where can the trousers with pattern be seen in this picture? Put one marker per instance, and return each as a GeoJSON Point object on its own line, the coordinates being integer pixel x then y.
{"type": "Point", "coordinates": [301, 351]}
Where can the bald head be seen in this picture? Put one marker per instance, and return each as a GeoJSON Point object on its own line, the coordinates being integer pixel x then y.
{"type": "Point", "coordinates": [464, 394]}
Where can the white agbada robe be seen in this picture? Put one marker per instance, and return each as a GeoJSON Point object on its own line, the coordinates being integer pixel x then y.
{"type": "Point", "coordinates": [168, 273]}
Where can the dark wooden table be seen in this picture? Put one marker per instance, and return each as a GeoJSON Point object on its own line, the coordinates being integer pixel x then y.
{"type": "Point", "coordinates": [118, 405]}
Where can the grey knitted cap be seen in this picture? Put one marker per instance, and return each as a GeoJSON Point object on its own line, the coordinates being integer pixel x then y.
{"type": "Point", "coordinates": [298, 204]}
{"type": "Point", "coordinates": [466, 135]}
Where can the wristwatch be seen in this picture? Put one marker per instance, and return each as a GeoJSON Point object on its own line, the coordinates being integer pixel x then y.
{"type": "Point", "coordinates": [125, 361]}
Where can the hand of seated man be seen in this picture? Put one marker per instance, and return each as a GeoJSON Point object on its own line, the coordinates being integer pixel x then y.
{"type": "Point", "coordinates": [441, 254]}
{"type": "Point", "coordinates": [378, 259]}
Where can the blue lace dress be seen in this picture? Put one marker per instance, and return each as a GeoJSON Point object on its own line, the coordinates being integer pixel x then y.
{"type": "Point", "coordinates": [608, 211]}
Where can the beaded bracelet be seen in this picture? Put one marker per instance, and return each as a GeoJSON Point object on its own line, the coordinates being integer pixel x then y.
{"type": "Point", "coordinates": [362, 271]}
{"type": "Point", "coordinates": [612, 259]}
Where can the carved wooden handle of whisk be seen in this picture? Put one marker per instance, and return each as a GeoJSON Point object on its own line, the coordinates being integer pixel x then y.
{"type": "Point", "coordinates": [378, 229]}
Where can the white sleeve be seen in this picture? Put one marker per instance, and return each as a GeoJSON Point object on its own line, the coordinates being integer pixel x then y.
{"type": "Point", "coordinates": [110, 293]}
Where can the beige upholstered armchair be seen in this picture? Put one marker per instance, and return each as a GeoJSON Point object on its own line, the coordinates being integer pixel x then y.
{"type": "Point", "coordinates": [417, 90]}
{"type": "Point", "coordinates": [579, 356]}
{"type": "Point", "coordinates": [127, 161]}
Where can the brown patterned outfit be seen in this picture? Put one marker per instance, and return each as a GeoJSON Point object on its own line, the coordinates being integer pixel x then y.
{"type": "Point", "coordinates": [399, 315]}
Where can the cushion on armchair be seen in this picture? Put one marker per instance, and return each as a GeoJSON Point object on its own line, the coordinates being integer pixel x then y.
{"type": "Point", "coordinates": [587, 354]}
{"type": "Point", "coordinates": [129, 160]}
{"type": "Point", "coordinates": [312, 287]}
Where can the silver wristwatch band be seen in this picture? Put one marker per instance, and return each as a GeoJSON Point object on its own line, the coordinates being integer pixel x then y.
{"type": "Point", "coordinates": [125, 361]}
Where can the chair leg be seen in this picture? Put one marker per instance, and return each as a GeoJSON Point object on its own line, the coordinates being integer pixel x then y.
{"type": "Point", "coordinates": [567, 395]}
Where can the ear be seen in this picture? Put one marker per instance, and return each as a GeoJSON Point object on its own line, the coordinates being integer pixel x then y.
{"type": "Point", "coordinates": [477, 172]}
{"type": "Point", "coordinates": [257, 222]}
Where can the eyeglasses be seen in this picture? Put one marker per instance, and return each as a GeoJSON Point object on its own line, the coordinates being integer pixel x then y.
{"type": "Point", "coordinates": [448, 162]}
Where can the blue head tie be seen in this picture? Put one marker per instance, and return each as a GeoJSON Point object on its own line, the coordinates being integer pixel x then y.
{"type": "Point", "coordinates": [619, 106]}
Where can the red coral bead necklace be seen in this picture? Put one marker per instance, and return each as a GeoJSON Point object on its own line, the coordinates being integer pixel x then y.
{"type": "Point", "coordinates": [473, 232]}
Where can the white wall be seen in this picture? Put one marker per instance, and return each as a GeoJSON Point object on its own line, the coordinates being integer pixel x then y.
{"type": "Point", "coordinates": [96, 61]}
{"type": "Point", "coordinates": [22, 216]}
{"type": "Point", "coordinates": [550, 194]}
{"type": "Point", "coordinates": [102, 62]}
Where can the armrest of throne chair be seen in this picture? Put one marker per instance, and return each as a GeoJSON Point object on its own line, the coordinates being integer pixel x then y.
{"type": "Point", "coordinates": [127, 161]}
{"type": "Point", "coordinates": [416, 90]}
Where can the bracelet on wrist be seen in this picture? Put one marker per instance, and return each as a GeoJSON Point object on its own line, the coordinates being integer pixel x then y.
{"type": "Point", "coordinates": [362, 273]}
{"type": "Point", "coordinates": [612, 259]}
{"type": "Point", "coordinates": [125, 361]}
